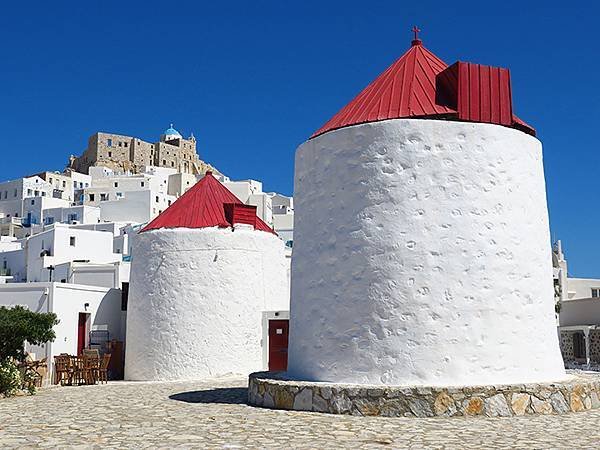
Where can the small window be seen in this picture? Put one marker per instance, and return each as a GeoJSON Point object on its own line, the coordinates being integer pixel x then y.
{"type": "Point", "coordinates": [103, 197]}
{"type": "Point", "coordinates": [116, 184]}
{"type": "Point", "coordinates": [72, 241]}
{"type": "Point", "coordinates": [169, 202]}
{"type": "Point", "coordinates": [164, 162]}
{"type": "Point", "coordinates": [126, 144]}
{"type": "Point", "coordinates": [172, 164]}
{"type": "Point", "coordinates": [64, 184]}
{"type": "Point", "coordinates": [33, 202]}
{"type": "Point", "coordinates": [92, 197]}
{"type": "Point", "coordinates": [109, 143]}
{"type": "Point", "coordinates": [119, 195]}
{"type": "Point", "coordinates": [142, 184]}
{"type": "Point", "coordinates": [120, 144]}
{"type": "Point", "coordinates": [15, 192]}
{"type": "Point", "coordinates": [595, 292]}
{"type": "Point", "coordinates": [157, 199]}
{"type": "Point", "coordinates": [43, 194]}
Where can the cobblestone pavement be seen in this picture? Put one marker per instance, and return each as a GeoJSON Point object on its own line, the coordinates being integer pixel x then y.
{"type": "Point", "coordinates": [213, 414]}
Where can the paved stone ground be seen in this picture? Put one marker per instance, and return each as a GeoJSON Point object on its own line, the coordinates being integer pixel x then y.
{"type": "Point", "coordinates": [214, 415]}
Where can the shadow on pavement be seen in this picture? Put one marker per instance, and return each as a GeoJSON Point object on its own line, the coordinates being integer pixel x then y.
{"type": "Point", "coordinates": [230, 396]}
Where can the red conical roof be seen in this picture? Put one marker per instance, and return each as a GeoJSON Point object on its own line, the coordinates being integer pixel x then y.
{"type": "Point", "coordinates": [410, 87]}
{"type": "Point", "coordinates": [201, 207]}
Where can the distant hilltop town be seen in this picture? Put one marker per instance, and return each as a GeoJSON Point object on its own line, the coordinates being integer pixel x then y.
{"type": "Point", "coordinates": [130, 154]}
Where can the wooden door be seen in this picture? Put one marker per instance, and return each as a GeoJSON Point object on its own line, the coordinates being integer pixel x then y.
{"type": "Point", "coordinates": [82, 332]}
{"type": "Point", "coordinates": [278, 344]}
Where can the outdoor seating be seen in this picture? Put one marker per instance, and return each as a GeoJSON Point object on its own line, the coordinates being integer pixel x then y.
{"type": "Point", "coordinates": [33, 373]}
{"type": "Point", "coordinates": [86, 369]}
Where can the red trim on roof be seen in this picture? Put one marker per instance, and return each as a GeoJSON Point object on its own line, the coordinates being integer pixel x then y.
{"type": "Point", "coordinates": [417, 85]}
{"type": "Point", "coordinates": [202, 206]}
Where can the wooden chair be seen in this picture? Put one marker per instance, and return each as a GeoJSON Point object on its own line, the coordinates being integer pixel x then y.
{"type": "Point", "coordinates": [103, 372]}
{"type": "Point", "coordinates": [78, 368]}
{"type": "Point", "coordinates": [91, 367]}
{"type": "Point", "coordinates": [62, 368]}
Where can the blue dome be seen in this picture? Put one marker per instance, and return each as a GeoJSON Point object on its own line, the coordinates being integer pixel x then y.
{"type": "Point", "coordinates": [171, 131]}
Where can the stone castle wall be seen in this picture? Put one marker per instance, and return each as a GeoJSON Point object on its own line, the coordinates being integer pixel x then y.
{"type": "Point", "coordinates": [127, 153]}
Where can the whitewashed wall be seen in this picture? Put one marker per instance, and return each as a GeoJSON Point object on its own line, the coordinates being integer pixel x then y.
{"type": "Point", "coordinates": [196, 299]}
{"type": "Point", "coordinates": [422, 256]}
{"type": "Point", "coordinates": [581, 287]}
{"type": "Point", "coordinates": [583, 311]}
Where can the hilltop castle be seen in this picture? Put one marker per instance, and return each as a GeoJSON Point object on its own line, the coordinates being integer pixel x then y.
{"type": "Point", "coordinates": [131, 154]}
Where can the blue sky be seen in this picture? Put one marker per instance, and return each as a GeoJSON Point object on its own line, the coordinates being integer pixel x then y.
{"type": "Point", "coordinates": [252, 80]}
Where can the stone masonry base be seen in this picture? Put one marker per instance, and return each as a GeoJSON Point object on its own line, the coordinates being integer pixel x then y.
{"type": "Point", "coordinates": [273, 390]}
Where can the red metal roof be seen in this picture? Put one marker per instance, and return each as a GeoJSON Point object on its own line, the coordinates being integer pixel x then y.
{"type": "Point", "coordinates": [416, 85]}
{"type": "Point", "coordinates": [202, 206]}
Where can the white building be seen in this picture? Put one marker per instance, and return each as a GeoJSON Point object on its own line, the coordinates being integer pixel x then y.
{"type": "Point", "coordinates": [61, 244]}
{"type": "Point", "coordinates": [81, 214]}
{"type": "Point", "coordinates": [422, 246]}
{"type": "Point", "coordinates": [88, 315]}
{"type": "Point", "coordinates": [208, 281]}
{"type": "Point", "coordinates": [68, 185]}
{"type": "Point", "coordinates": [129, 198]}
{"type": "Point", "coordinates": [578, 307]}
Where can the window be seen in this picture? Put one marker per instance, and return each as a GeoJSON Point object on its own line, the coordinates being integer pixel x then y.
{"type": "Point", "coordinates": [126, 144]}
{"type": "Point", "coordinates": [157, 199]}
{"type": "Point", "coordinates": [169, 202]}
{"type": "Point", "coordinates": [73, 217]}
{"type": "Point", "coordinates": [29, 192]}
{"type": "Point", "coordinates": [578, 345]}
{"type": "Point", "coordinates": [72, 241]}
{"type": "Point", "coordinates": [116, 184]}
{"type": "Point", "coordinates": [43, 194]}
{"type": "Point", "coordinates": [124, 296]}
{"type": "Point", "coordinates": [595, 292]}
{"type": "Point", "coordinates": [48, 220]}
{"type": "Point", "coordinates": [172, 164]}
{"type": "Point", "coordinates": [33, 202]}
{"type": "Point", "coordinates": [110, 154]}
{"type": "Point", "coordinates": [120, 144]}
{"type": "Point", "coordinates": [103, 197]}
{"type": "Point", "coordinates": [36, 193]}
{"type": "Point", "coordinates": [164, 162]}
{"type": "Point", "coordinates": [119, 195]}
{"type": "Point", "coordinates": [64, 184]}
{"type": "Point", "coordinates": [92, 197]}
{"type": "Point", "coordinates": [142, 184]}
{"type": "Point", "coordinates": [109, 143]}
{"type": "Point", "coordinates": [15, 192]}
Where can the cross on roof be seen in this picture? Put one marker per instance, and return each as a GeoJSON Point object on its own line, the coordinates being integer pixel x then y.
{"type": "Point", "coordinates": [416, 30]}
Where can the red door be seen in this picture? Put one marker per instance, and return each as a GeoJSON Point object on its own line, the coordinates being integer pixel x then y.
{"type": "Point", "coordinates": [278, 344]}
{"type": "Point", "coordinates": [81, 332]}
